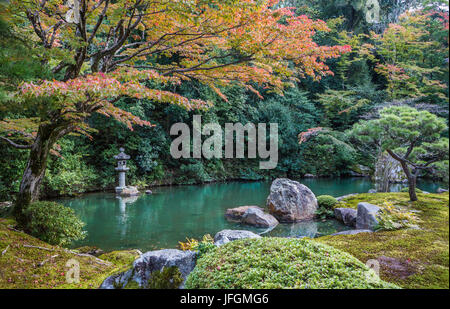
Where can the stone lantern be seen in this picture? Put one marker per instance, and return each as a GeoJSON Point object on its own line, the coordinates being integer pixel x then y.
{"type": "Point", "coordinates": [122, 168]}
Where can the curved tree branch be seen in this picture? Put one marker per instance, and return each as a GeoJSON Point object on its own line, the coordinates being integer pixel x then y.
{"type": "Point", "coordinates": [18, 146]}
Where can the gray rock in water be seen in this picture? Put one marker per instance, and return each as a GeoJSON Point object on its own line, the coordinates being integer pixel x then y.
{"type": "Point", "coordinates": [237, 213]}
{"type": "Point", "coordinates": [226, 236]}
{"type": "Point", "coordinates": [128, 191]}
{"type": "Point", "coordinates": [367, 216]}
{"type": "Point", "coordinates": [152, 261]}
{"type": "Point", "coordinates": [352, 232]}
{"type": "Point", "coordinates": [309, 176]}
{"type": "Point", "coordinates": [346, 215]}
{"type": "Point", "coordinates": [440, 190]}
{"type": "Point", "coordinates": [290, 201]}
{"type": "Point", "coordinates": [148, 192]}
{"type": "Point", "coordinates": [372, 191]}
{"type": "Point", "coordinates": [257, 217]}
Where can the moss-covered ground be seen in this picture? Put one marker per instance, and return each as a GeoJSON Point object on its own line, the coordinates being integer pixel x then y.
{"type": "Point", "coordinates": [277, 263]}
{"type": "Point", "coordinates": [28, 263]}
{"type": "Point", "coordinates": [409, 258]}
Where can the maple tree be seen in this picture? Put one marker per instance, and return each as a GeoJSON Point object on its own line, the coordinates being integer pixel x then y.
{"type": "Point", "coordinates": [413, 60]}
{"type": "Point", "coordinates": [112, 49]}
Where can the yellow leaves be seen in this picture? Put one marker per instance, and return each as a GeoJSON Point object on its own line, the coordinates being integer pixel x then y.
{"type": "Point", "coordinates": [192, 244]}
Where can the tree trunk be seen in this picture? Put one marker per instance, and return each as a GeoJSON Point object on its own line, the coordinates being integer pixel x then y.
{"type": "Point", "coordinates": [412, 177]}
{"type": "Point", "coordinates": [34, 171]}
{"type": "Point", "coordinates": [411, 181]}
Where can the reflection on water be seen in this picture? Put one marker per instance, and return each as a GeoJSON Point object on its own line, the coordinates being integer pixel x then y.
{"type": "Point", "coordinates": [171, 214]}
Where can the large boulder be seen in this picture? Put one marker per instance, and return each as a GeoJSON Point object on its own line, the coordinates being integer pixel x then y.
{"type": "Point", "coordinates": [387, 171]}
{"type": "Point", "coordinates": [366, 218]}
{"type": "Point", "coordinates": [290, 201]}
{"type": "Point", "coordinates": [346, 215]}
{"type": "Point", "coordinates": [257, 217]}
{"type": "Point", "coordinates": [226, 236]}
{"type": "Point", "coordinates": [236, 214]}
{"type": "Point", "coordinates": [151, 262]}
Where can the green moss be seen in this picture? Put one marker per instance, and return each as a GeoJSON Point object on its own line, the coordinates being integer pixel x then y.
{"type": "Point", "coordinates": [19, 265]}
{"type": "Point", "coordinates": [281, 263]}
{"type": "Point", "coordinates": [426, 250]}
{"type": "Point", "coordinates": [168, 278]}
{"type": "Point", "coordinates": [121, 258]}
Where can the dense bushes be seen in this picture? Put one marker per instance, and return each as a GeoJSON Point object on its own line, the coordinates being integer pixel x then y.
{"type": "Point", "coordinates": [326, 201]}
{"type": "Point", "coordinates": [329, 154]}
{"type": "Point", "coordinates": [53, 223]}
{"type": "Point", "coordinates": [326, 206]}
{"type": "Point", "coordinates": [280, 263]}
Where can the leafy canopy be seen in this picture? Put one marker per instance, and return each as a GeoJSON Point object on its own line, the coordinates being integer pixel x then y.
{"type": "Point", "coordinates": [409, 134]}
{"type": "Point", "coordinates": [133, 47]}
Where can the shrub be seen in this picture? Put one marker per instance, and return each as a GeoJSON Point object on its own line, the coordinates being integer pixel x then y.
{"type": "Point", "coordinates": [281, 263]}
{"type": "Point", "coordinates": [53, 223]}
{"type": "Point", "coordinates": [326, 201]}
{"type": "Point", "coordinates": [326, 204]}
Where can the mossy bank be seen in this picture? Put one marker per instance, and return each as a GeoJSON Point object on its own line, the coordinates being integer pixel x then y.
{"type": "Point", "coordinates": [410, 258]}
{"type": "Point", "coordinates": [29, 263]}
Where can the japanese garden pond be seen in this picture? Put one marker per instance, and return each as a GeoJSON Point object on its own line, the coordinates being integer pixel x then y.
{"type": "Point", "coordinates": [173, 213]}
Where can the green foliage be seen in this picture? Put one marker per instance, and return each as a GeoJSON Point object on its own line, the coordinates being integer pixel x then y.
{"type": "Point", "coordinates": [168, 278]}
{"type": "Point", "coordinates": [17, 61]}
{"type": "Point", "coordinates": [328, 153]}
{"type": "Point", "coordinates": [326, 206]}
{"type": "Point", "coordinates": [53, 223]}
{"type": "Point", "coordinates": [414, 58]}
{"type": "Point", "coordinates": [326, 201]}
{"type": "Point", "coordinates": [194, 173]}
{"type": "Point", "coordinates": [280, 263]}
{"type": "Point", "coordinates": [69, 174]}
{"type": "Point", "coordinates": [203, 248]}
{"type": "Point", "coordinates": [340, 107]}
{"type": "Point", "coordinates": [408, 134]}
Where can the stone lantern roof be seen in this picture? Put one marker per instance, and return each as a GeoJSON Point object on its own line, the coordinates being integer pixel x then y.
{"type": "Point", "coordinates": [122, 155]}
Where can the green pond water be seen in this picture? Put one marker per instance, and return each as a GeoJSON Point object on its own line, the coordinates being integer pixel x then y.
{"type": "Point", "coordinates": [171, 214]}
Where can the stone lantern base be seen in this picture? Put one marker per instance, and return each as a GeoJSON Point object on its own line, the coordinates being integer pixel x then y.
{"type": "Point", "coordinates": [127, 191]}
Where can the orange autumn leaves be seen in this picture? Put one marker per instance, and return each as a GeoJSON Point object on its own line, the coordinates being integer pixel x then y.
{"type": "Point", "coordinates": [119, 44]}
